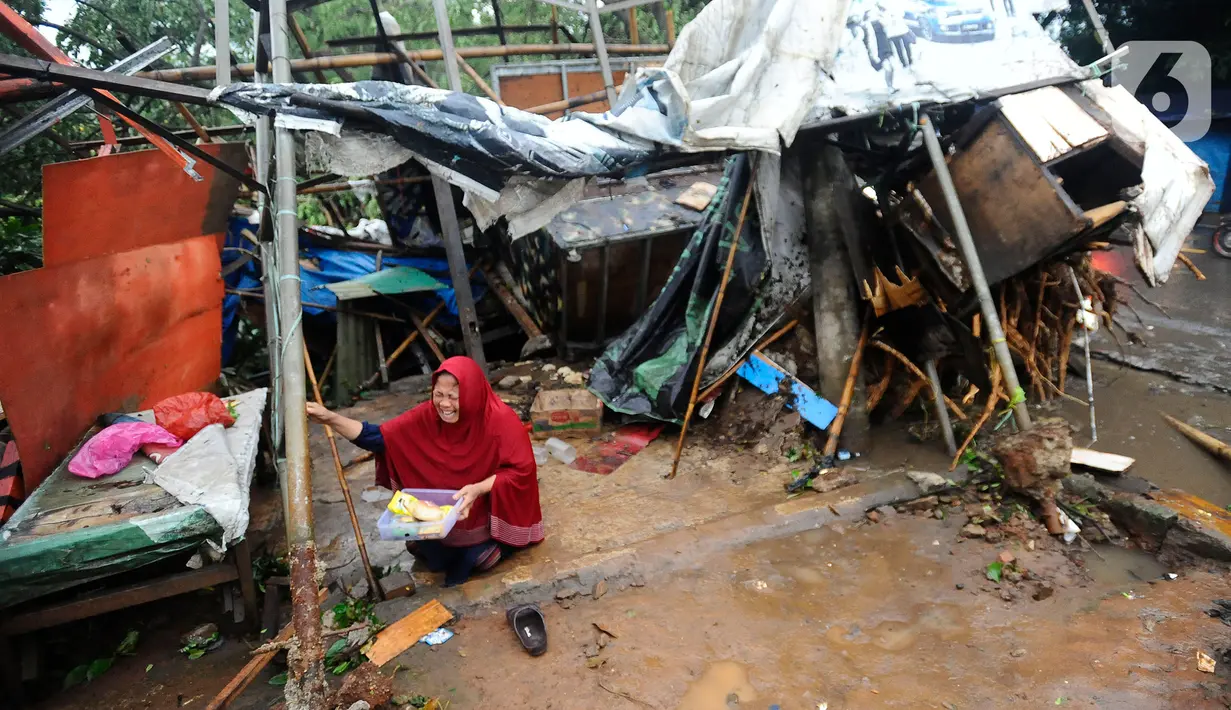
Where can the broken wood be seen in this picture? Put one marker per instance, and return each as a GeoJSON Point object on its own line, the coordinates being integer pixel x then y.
{"type": "Point", "coordinates": [566, 104]}
{"type": "Point", "coordinates": [406, 632]}
{"type": "Point", "coordinates": [919, 374]}
{"type": "Point", "coordinates": [373, 583]}
{"type": "Point", "coordinates": [877, 391]}
{"type": "Point", "coordinates": [361, 458]}
{"type": "Point", "coordinates": [990, 407]}
{"type": "Point", "coordinates": [709, 330]}
{"type": "Point", "coordinates": [1112, 463]}
{"type": "Point", "coordinates": [478, 80]}
{"type": "Point", "coordinates": [1200, 438]}
{"type": "Point", "coordinates": [254, 666]}
{"type": "Point", "coordinates": [705, 394]}
{"type": "Point", "coordinates": [401, 348]}
{"type": "Point", "coordinates": [848, 393]}
{"type": "Point", "coordinates": [1183, 259]}
{"type": "Point", "coordinates": [536, 341]}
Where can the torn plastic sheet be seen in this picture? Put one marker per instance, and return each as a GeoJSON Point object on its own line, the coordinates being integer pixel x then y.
{"type": "Point", "coordinates": [648, 370]}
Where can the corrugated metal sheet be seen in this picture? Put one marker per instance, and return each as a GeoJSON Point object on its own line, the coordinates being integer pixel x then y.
{"type": "Point", "coordinates": [114, 333]}
{"type": "Point", "coordinates": [399, 279]}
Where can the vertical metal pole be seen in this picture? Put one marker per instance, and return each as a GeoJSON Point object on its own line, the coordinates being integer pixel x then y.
{"type": "Point", "coordinates": [938, 397]}
{"type": "Point", "coordinates": [269, 269]}
{"type": "Point", "coordinates": [600, 49]}
{"type": "Point", "coordinates": [448, 211]}
{"type": "Point", "coordinates": [1099, 29]}
{"type": "Point", "coordinates": [1089, 371]}
{"type": "Point", "coordinates": [222, 42]}
{"type": "Point", "coordinates": [305, 689]}
{"type": "Point", "coordinates": [966, 243]}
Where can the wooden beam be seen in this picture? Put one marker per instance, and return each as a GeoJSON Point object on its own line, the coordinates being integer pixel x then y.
{"type": "Point", "coordinates": [431, 35]}
{"type": "Point", "coordinates": [82, 78]}
{"type": "Point", "coordinates": [212, 131]}
{"type": "Point", "coordinates": [369, 59]}
{"type": "Point", "coordinates": [483, 86]}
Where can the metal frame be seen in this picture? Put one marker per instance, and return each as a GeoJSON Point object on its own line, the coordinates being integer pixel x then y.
{"type": "Point", "coordinates": [55, 110]}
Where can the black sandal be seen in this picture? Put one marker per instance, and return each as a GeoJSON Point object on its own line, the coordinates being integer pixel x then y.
{"type": "Point", "coordinates": [530, 626]}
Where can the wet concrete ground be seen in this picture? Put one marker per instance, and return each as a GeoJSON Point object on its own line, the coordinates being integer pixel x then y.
{"type": "Point", "coordinates": [869, 616]}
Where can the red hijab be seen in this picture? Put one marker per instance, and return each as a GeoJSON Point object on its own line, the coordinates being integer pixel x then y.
{"type": "Point", "coordinates": [423, 451]}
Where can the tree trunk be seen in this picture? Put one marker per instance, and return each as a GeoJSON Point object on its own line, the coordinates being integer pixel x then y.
{"type": "Point", "coordinates": [829, 188]}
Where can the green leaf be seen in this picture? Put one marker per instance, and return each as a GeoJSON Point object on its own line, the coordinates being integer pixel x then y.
{"type": "Point", "coordinates": [337, 647]}
{"type": "Point", "coordinates": [98, 667]}
{"type": "Point", "coordinates": [995, 570]}
{"type": "Point", "coordinates": [278, 680]}
{"type": "Point", "coordinates": [1060, 700]}
{"type": "Point", "coordinates": [76, 676]}
{"type": "Point", "coordinates": [195, 653]}
{"type": "Point", "coordinates": [149, 668]}
{"type": "Point", "coordinates": [129, 645]}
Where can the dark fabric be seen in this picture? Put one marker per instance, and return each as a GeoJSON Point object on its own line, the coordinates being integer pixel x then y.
{"type": "Point", "coordinates": [458, 563]}
{"type": "Point", "coordinates": [649, 369]}
{"type": "Point", "coordinates": [422, 451]}
{"type": "Point", "coordinates": [902, 45]}
{"type": "Point", "coordinates": [370, 439]}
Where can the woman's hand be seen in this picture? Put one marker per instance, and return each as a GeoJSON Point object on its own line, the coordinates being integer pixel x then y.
{"type": "Point", "coordinates": [318, 413]}
{"type": "Point", "coordinates": [469, 494]}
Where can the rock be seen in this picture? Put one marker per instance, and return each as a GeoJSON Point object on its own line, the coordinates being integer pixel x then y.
{"type": "Point", "coordinates": [994, 535]}
{"type": "Point", "coordinates": [926, 481]}
{"type": "Point", "coordinates": [525, 379]}
{"type": "Point", "coordinates": [509, 382]}
{"type": "Point", "coordinates": [360, 589]}
{"type": "Point", "coordinates": [576, 379]}
{"type": "Point", "coordinates": [565, 603]}
{"type": "Point", "coordinates": [1142, 518]}
{"type": "Point", "coordinates": [1012, 576]}
{"type": "Point", "coordinates": [595, 662]}
{"type": "Point", "coordinates": [960, 586]}
{"type": "Point", "coordinates": [1033, 460]}
{"type": "Point", "coordinates": [549, 367]}
{"type": "Point", "coordinates": [1086, 486]}
{"type": "Point", "coordinates": [886, 511]}
{"type": "Point", "coordinates": [566, 593]}
{"type": "Point", "coordinates": [360, 705]}
{"type": "Point", "coordinates": [1006, 557]}
{"type": "Point", "coordinates": [1043, 591]}
{"type": "Point", "coordinates": [1017, 652]}
{"type": "Point", "coordinates": [873, 516]}
{"type": "Point", "coordinates": [603, 640]}
{"type": "Point", "coordinates": [637, 581]}
{"type": "Point", "coordinates": [564, 372]}
{"type": "Point", "coordinates": [924, 503]}
{"type": "Point", "coordinates": [973, 530]}
{"type": "Point", "coordinates": [200, 636]}
{"type": "Point", "coordinates": [398, 584]}
{"type": "Point", "coordinates": [1194, 538]}
{"type": "Point", "coordinates": [1006, 593]}
{"type": "Point", "coordinates": [938, 514]}
{"type": "Point", "coordinates": [600, 589]}
{"type": "Point", "coordinates": [591, 650]}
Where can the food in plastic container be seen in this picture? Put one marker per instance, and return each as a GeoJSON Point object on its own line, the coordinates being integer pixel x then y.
{"type": "Point", "coordinates": [402, 524]}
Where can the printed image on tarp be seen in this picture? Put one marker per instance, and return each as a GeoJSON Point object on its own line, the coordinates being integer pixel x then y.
{"type": "Point", "coordinates": [897, 52]}
{"type": "Point", "coordinates": [649, 369]}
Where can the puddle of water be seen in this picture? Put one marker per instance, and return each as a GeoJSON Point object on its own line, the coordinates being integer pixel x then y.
{"type": "Point", "coordinates": [1119, 566]}
{"type": "Point", "coordinates": [720, 681]}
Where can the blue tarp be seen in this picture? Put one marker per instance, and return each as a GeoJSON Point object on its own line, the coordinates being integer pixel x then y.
{"type": "Point", "coordinates": [332, 266]}
{"type": "Point", "coordinates": [1215, 149]}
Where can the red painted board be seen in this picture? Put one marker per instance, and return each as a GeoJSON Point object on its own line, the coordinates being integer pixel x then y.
{"type": "Point", "coordinates": [115, 203]}
{"type": "Point", "coordinates": [116, 333]}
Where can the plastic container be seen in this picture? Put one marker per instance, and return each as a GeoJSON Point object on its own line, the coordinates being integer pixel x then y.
{"type": "Point", "coordinates": [402, 527]}
{"type": "Point", "coordinates": [540, 454]}
{"type": "Point", "coordinates": [561, 450]}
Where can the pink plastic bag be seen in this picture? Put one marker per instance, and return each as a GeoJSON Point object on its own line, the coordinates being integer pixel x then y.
{"type": "Point", "coordinates": [112, 448]}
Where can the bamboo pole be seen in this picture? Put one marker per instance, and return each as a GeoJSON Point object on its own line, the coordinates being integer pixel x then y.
{"type": "Point", "coordinates": [368, 59]}
{"type": "Point", "coordinates": [1086, 340]}
{"type": "Point", "coordinates": [735, 368]}
{"type": "Point", "coordinates": [197, 128]}
{"type": "Point", "coordinates": [957, 411]}
{"type": "Point", "coordinates": [302, 40]}
{"type": "Point", "coordinates": [848, 393]}
{"type": "Point", "coordinates": [709, 330]}
{"type": "Point", "coordinates": [670, 29]}
{"type": "Point", "coordinates": [483, 86]}
{"type": "Point", "coordinates": [1205, 441]}
{"type": "Point", "coordinates": [566, 104]}
{"type": "Point", "coordinates": [1185, 260]}
{"type": "Point", "coordinates": [373, 583]}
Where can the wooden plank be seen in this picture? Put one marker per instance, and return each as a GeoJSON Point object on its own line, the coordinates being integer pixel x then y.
{"type": "Point", "coordinates": [407, 631]}
{"type": "Point", "coordinates": [1050, 122]}
{"type": "Point", "coordinates": [763, 374]}
{"type": "Point", "coordinates": [121, 598]}
{"type": "Point", "coordinates": [1113, 463]}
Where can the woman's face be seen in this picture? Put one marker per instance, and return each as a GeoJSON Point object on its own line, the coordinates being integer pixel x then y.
{"type": "Point", "coordinates": [444, 397]}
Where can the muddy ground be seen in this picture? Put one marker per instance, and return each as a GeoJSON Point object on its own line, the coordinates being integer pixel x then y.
{"type": "Point", "coordinates": [898, 613]}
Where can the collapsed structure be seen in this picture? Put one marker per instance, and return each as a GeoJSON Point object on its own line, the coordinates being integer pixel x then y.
{"type": "Point", "coordinates": [929, 204]}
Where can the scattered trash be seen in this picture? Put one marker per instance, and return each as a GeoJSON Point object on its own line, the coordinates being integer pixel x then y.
{"type": "Point", "coordinates": [113, 448]}
{"type": "Point", "coordinates": [1205, 664]}
{"type": "Point", "coordinates": [1110, 463]}
{"type": "Point", "coordinates": [540, 454]}
{"type": "Point", "coordinates": [571, 411]}
{"type": "Point", "coordinates": [628, 441]}
{"type": "Point", "coordinates": [562, 451]}
{"type": "Point", "coordinates": [437, 637]}
{"type": "Point", "coordinates": [508, 382]}
{"type": "Point", "coordinates": [200, 641]}
{"type": "Point", "coordinates": [530, 627]}
{"type": "Point", "coordinates": [1070, 529]}
{"type": "Point", "coordinates": [762, 373]}
{"type": "Point", "coordinates": [407, 631]}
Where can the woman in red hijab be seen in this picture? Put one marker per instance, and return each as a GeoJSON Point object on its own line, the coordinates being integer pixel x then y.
{"type": "Point", "coordinates": [464, 439]}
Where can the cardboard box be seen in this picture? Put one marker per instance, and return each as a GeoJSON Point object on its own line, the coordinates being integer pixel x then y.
{"type": "Point", "coordinates": [566, 413]}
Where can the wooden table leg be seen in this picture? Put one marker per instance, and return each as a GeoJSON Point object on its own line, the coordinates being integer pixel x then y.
{"type": "Point", "coordinates": [247, 587]}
